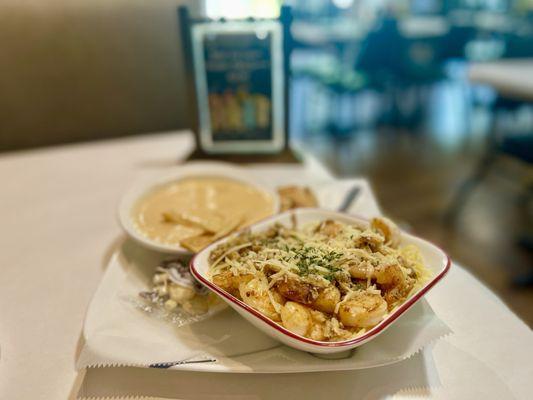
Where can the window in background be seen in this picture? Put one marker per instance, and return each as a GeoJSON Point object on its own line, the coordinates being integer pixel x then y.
{"type": "Point", "coordinates": [242, 9]}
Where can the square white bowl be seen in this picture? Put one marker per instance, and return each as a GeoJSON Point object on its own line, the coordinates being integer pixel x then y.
{"type": "Point", "coordinates": [435, 260]}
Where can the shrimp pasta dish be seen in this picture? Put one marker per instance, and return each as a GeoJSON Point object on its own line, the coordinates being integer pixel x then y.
{"type": "Point", "coordinates": [327, 281]}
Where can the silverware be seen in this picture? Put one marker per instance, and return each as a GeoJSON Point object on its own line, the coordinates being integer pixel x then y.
{"type": "Point", "coordinates": [166, 365]}
{"type": "Point", "coordinates": [349, 198]}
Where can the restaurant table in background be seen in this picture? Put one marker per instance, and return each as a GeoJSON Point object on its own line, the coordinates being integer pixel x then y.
{"type": "Point", "coordinates": [59, 227]}
{"type": "Point", "coordinates": [512, 78]}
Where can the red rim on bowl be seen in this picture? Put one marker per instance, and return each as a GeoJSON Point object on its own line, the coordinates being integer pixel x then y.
{"type": "Point", "coordinates": [372, 332]}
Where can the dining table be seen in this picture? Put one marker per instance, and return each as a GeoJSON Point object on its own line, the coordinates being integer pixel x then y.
{"type": "Point", "coordinates": [511, 78]}
{"type": "Point", "coordinates": [59, 228]}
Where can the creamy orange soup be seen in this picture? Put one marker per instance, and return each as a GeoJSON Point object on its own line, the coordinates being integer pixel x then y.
{"type": "Point", "coordinates": [203, 207]}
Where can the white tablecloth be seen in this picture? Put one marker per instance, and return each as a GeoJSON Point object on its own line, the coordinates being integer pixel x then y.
{"type": "Point", "coordinates": [58, 225]}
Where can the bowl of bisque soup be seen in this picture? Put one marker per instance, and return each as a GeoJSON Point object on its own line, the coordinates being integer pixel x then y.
{"type": "Point", "coordinates": [183, 211]}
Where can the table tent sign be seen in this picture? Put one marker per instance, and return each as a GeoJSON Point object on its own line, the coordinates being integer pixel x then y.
{"type": "Point", "coordinates": [237, 73]}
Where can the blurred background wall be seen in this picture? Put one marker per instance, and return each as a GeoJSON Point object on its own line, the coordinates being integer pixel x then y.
{"type": "Point", "coordinates": [74, 70]}
{"type": "Point", "coordinates": [431, 100]}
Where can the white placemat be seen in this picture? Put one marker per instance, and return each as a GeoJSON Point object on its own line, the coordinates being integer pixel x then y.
{"type": "Point", "coordinates": [417, 372]}
{"type": "Point", "coordinates": [117, 334]}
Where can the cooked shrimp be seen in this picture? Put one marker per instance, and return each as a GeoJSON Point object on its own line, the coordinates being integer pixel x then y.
{"type": "Point", "coordinates": [277, 299]}
{"type": "Point", "coordinates": [318, 326]}
{"type": "Point", "coordinates": [327, 299]}
{"type": "Point", "coordinates": [387, 229]}
{"type": "Point", "coordinates": [362, 270]}
{"type": "Point", "coordinates": [364, 310]}
{"type": "Point", "coordinates": [229, 282]}
{"type": "Point", "coordinates": [371, 239]}
{"type": "Point", "coordinates": [330, 228]}
{"type": "Point", "coordinates": [296, 290]}
{"type": "Point", "coordinates": [395, 285]}
{"type": "Point", "coordinates": [255, 293]}
{"type": "Point", "coordinates": [395, 293]}
{"type": "Point", "coordinates": [296, 318]}
{"type": "Point", "coordinates": [303, 320]}
{"type": "Point", "coordinates": [389, 274]}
